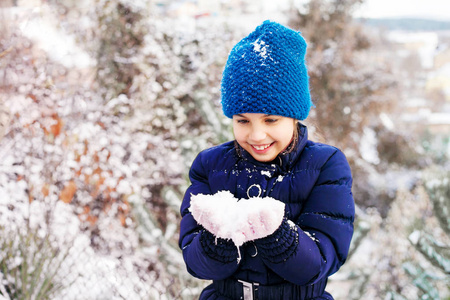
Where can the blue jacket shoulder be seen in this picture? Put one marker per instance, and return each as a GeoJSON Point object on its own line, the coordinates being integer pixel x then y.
{"type": "Point", "coordinates": [216, 155]}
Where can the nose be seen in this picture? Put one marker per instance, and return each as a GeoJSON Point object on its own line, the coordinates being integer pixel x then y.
{"type": "Point", "coordinates": [257, 134]}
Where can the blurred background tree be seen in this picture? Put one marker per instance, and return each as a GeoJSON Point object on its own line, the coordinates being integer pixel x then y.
{"type": "Point", "coordinates": [351, 95]}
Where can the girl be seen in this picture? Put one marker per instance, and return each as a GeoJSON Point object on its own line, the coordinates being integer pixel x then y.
{"type": "Point", "coordinates": [248, 248]}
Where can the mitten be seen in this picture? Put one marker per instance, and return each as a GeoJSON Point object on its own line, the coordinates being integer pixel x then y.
{"type": "Point", "coordinates": [281, 244]}
{"type": "Point", "coordinates": [219, 249]}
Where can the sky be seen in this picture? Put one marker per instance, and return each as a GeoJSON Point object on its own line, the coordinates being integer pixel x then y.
{"type": "Point", "coordinates": [430, 9]}
{"type": "Point", "coordinates": [436, 9]}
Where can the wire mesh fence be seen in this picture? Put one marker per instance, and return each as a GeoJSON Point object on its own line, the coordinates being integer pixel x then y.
{"type": "Point", "coordinates": [45, 255]}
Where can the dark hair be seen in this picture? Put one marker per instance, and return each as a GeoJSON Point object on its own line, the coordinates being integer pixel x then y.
{"type": "Point", "coordinates": [294, 142]}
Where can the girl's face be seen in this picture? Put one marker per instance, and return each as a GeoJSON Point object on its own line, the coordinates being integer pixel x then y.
{"type": "Point", "coordinates": [263, 136]}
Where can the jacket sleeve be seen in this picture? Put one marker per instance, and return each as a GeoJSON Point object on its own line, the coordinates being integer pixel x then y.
{"type": "Point", "coordinates": [317, 244]}
{"type": "Point", "coordinates": [206, 256]}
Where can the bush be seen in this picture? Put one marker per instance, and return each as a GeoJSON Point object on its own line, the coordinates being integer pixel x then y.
{"type": "Point", "coordinates": [29, 264]}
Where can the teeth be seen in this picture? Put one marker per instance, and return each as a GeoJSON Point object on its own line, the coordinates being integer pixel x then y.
{"type": "Point", "coordinates": [262, 147]}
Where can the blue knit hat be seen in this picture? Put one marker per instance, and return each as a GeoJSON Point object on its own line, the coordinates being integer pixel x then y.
{"type": "Point", "coordinates": [266, 73]}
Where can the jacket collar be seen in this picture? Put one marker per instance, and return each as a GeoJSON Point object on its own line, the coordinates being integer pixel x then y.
{"type": "Point", "coordinates": [284, 160]}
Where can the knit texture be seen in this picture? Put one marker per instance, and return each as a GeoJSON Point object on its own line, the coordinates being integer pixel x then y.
{"type": "Point", "coordinates": [218, 249]}
{"type": "Point", "coordinates": [266, 73]}
{"type": "Point", "coordinates": [279, 246]}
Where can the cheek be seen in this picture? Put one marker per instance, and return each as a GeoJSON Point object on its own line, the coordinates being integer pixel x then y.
{"type": "Point", "coordinates": [238, 133]}
{"type": "Point", "coordinates": [285, 135]}
{"type": "Point", "coordinates": [286, 138]}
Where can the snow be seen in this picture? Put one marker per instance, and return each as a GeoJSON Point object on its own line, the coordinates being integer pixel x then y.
{"type": "Point", "coordinates": [368, 146]}
{"type": "Point", "coordinates": [49, 37]}
{"type": "Point", "coordinates": [311, 236]}
{"type": "Point", "coordinates": [239, 220]}
{"type": "Point", "coordinates": [120, 142]}
{"type": "Point", "coordinates": [387, 121]}
{"type": "Point", "coordinates": [414, 237]}
{"type": "Point", "coordinates": [266, 173]}
{"type": "Point", "coordinates": [260, 47]}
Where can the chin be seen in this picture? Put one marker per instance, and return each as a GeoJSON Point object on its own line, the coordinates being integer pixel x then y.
{"type": "Point", "coordinates": [264, 158]}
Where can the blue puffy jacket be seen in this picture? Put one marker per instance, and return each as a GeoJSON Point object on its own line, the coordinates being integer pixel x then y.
{"type": "Point", "coordinates": [314, 181]}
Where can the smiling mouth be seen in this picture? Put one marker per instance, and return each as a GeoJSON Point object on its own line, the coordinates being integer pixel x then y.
{"type": "Point", "coordinates": [261, 147]}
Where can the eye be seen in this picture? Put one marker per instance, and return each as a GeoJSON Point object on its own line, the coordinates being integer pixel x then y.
{"type": "Point", "coordinates": [271, 120]}
{"type": "Point", "coordinates": [242, 121]}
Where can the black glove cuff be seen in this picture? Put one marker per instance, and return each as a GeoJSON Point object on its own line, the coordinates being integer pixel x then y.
{"type": "Point", "coordinates": [219, 249]}
{"type": "Point", "coordinates": [280, 245]}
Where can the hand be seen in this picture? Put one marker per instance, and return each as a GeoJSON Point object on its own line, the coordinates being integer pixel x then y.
{"type": "Point", "coordinates": [238, 220]}
{"type": "Point", "coordinates": [281, 244]}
